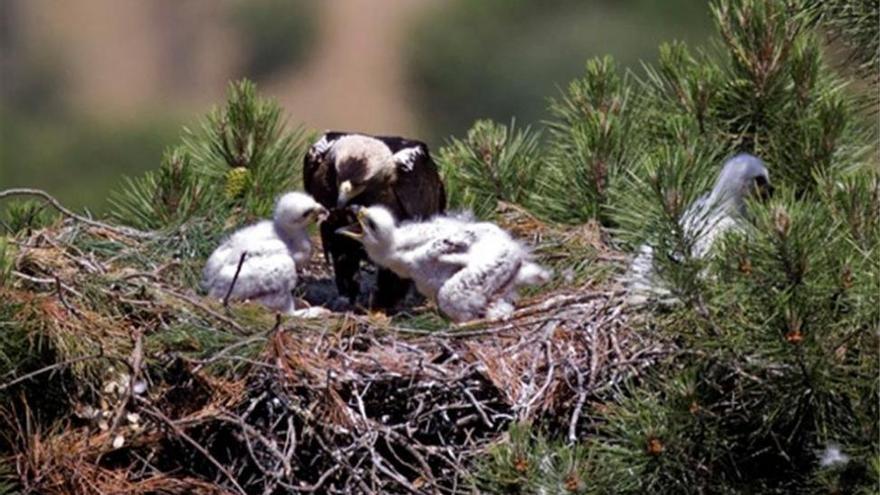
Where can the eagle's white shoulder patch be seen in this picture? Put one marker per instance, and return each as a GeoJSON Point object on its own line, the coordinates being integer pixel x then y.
{"type": "Point", "coordinates": [320, 147]}
{"type": "Point", "coordinates": [407, 157]}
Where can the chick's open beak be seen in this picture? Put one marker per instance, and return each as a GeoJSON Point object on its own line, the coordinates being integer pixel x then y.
{"type": "Point", "coordinates": [355, 230]}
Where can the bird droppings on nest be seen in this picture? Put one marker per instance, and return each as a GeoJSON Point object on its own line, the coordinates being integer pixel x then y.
{"type": "Point", "coordinates": [231, 400]}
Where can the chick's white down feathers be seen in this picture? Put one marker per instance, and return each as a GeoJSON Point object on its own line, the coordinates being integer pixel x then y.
{"type": "Point", "coordinates": [274, 249]}
{"type": "Point", "coordinates": [471, 269]}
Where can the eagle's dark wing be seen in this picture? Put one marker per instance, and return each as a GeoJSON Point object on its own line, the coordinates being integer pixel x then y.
{"type": "Point", "coordinates": [319, 177]}
{"type": "Point", "coordinates": [319, 180]}
{"type": "Point", "coordinates": [418, 188]}
{"type": "Point", "coordinates": [344, 253]}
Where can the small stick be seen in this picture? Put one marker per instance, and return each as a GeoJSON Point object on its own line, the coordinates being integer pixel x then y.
{"type": "Point", "coordinates": [64, 302]}
{"type": "Point", "coordinates": [45, 281]}
{"type": "Point", "coordinates": [51, 367]}
{"type": "Point", "coordinates": [226, 350]}
{"type": "Point", "coordinates": [479, 408]}
{"type": "Point", "coordinates": [234, 280]}
{"type": "Point", "coordinates": [249, 430]}
{"type": "Point", "coordinates": [229, 321]}
{"type": "Point", "coordinates": [576, 414]}
{"type": "Point", "coordinates": [156, 413]}
{"type": "Point", "coordinates": [135, 364]}
{"type": "Point", "coordinates": [317, 485]}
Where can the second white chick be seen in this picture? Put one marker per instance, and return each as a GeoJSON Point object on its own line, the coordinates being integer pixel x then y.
{"type": "Point", "coordinates": [471, 269]}
{"type": "Point", "coordinates": [274, 249]}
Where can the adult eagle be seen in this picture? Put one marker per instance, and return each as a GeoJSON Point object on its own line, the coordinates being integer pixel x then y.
{"type": "Point", "coordinates": [343, 169]}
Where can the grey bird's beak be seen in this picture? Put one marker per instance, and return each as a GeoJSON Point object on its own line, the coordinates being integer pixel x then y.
{"type": "Point", "coordinates": [764, 189]}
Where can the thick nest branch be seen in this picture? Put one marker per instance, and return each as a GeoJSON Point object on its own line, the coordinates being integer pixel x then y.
{"type": "Point", "coordinates": [408, 414]}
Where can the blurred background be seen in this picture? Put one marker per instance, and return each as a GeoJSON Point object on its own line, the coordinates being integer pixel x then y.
{"type": "Point", "coordinates": [95, 89]}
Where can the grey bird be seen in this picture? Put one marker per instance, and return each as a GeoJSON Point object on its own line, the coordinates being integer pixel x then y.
{"type": "Point", "coordinates": [704, 221]}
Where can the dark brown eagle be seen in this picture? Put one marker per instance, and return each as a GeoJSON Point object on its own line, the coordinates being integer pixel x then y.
{"type": "Point", "coordinates": [343, 169]}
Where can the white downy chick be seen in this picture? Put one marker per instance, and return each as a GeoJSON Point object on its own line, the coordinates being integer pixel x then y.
{"type": "Point", "coordinates": [471, 269]}
{"type": "Point", "coordinates": [274, 249]}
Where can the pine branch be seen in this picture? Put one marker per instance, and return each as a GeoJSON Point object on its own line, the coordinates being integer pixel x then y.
{"type": "Point", "coordinates": [126, 231]}
{"type": "Point", "coordinates": [495, 163]}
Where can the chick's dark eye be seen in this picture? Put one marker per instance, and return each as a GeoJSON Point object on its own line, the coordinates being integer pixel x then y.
{"type": "Point", "coordinates": [371, 225]}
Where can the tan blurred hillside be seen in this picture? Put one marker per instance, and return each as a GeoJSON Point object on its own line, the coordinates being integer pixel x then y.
{"type": "Point", "coordinates": [356, 79]}
{"type": "Point", "coordinates": [116, 59]}
{"type": "Point", "coordinates": [94, 90]}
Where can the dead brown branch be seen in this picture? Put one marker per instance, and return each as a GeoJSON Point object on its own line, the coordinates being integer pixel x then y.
{"type": "Point", "coordinates": [126, 231]}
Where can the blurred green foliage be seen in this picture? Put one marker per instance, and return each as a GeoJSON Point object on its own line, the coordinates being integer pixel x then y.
{"type": "Point", "coordinates": [78, 160]}
{"type": "Point", "coordinates": [503, 58]}
{"type": "Point", "coordinates": [45, 143]}
{"type": "Point", "coordinates": [276, 34]}
{"type": "Point", "coordinates": [494, 58]}
{"type": "Point", "coordinates": [853, 23]}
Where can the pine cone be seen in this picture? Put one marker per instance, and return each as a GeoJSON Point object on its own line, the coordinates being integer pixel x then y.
{"type": "Point", "coordinates": [236, 180]}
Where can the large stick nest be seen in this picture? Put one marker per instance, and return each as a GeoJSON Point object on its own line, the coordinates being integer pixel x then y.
{"type": "Point", "coordinates": [140, 384]}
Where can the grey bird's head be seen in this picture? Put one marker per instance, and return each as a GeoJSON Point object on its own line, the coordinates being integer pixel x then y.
{"type": "Point", "coordinates": [295, 211]}
{"type": "Point", "coordinates": [741, 176]}
{"type": "Point", "coordinates": [374, 228]}
{"type": "Point", "coordinates": [361, 162]}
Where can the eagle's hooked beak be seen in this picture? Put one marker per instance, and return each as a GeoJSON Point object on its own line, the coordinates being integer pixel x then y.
{"type": "Point", "coordinates": [347, 191]}
{"type": "Point", "coordinates": [355, 230]}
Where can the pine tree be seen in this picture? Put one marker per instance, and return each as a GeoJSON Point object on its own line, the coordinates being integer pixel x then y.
{"type": "Point", "coordinates": [770, 379]}
{"type": "Point", "coordinates": [777, 330]}
{"type": "Point", "coordinates": [854, 24]}
{"type": "Point", "coordinates": [240, 157]}
{"type": "Point", "coordinates": [493, 164]}
{"type": "Point", "coordinates": [587, 155]}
